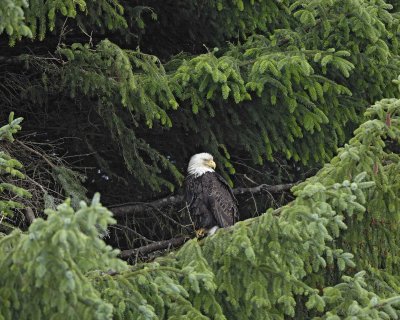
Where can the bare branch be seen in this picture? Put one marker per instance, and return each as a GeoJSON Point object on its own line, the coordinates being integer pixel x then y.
{"type": "Point", "coordinates": [159, 245]}
{"type": "Point", "coordinates": [23, 145]}
{"type": "Point", "coordinates": [142, 206]}
{"type": "Point", "coordinates": [264, 188]}
{"type": "Point", "coordinates": [11, 60]}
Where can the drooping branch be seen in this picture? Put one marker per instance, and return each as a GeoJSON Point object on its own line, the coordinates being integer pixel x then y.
{"type": "Point", "coordinates": [133, 208]}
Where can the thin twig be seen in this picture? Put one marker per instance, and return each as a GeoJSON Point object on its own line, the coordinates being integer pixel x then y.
{"type": "Point", "coordinates": [133, 231]}
{"type": "Point", "coordinates": [52, 165]}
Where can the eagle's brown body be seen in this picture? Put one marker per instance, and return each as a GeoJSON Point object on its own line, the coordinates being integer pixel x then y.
{"type": "Point", "coordinates": [210, 201]}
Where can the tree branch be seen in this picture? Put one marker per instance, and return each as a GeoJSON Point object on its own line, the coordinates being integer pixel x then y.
{"type": "Point", "coordinates": [265, 188]}
{"type": "Point", "coordinates": [159, 245]}
{"type": "Point", "coordinates": [29, 215]}
{"type": "Point", "coordinates": [176, 199]}
{"type": "Point", "coordinates": [142, 206]}
{"type": "Point", "coordinates": [177, 242]}
{"type": "Point", "coordinates": [23, 145]}
{"type": "Point", "coordinates": [11, 60]}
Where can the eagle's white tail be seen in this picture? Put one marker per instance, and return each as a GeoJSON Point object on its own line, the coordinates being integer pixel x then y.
{"type": "Point", "coordinates": [211, 231]}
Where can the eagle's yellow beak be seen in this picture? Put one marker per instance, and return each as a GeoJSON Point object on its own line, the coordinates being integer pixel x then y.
{"type": "Point", "coordinates": [211, 164]}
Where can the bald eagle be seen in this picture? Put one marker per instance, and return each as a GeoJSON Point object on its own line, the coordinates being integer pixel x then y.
{"type": "Point", "coordinates": [209, 198]}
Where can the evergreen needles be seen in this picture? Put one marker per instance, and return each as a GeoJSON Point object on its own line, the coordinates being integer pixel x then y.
{"type": "Point", "coordinates": [258, 269]}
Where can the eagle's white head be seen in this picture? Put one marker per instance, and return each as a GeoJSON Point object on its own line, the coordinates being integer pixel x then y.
{"type": "Point", "coordinates": [201, 163]}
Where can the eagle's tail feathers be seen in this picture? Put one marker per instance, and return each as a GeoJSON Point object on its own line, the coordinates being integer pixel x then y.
{"type": "Point", "coordinates": [211, 231]}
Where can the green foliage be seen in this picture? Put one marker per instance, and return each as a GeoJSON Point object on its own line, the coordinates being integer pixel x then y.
{"type": "Point", "coordinates": [367, 30]}
{"type": "Point", "coordinates": [12, 18]}
{"type": "Point", "coordinates": [132, 80]}
{"type": "Point", "coordinates": [214, 22]}
{"type": "Point", "coordinates": [293, 82]}
{"type": "Point", "coordinates": [371, 152]}
{"type": "Point", "coordinates": [245, 17]}
{"type": "Point", "coordinates": [257, 269]}
{"type": "Point", "coordinates": [297, 87]}
{"type": "Point", "coordinates": [207, 77]}
{"type": "Point", "coordinates": [350, 300]}
{"type": "Point", "coordinates": [44, 272]}
{"type": "Point", "coordinates": [208, 83]}
{"type": "Point", "coordinates": [71, 182]}
{"type": "Point", "coordinates": [291, 86]}
{"type": "Point", "coordinates": [7, 131]}
{"type": "Point", "coordinates": [10, 169]}
{"type": "Point", "coordinates": [31, 18]}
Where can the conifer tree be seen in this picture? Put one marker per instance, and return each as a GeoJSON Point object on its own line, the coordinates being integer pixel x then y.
{"type": "Point", "coordinates": [133, 90]}
{"type": "Point", "coordinates": [296, 74]}
{"type": "Point", "coordinates": [267, 267]}
{"type": "Point", "coordinates": [9, 171]}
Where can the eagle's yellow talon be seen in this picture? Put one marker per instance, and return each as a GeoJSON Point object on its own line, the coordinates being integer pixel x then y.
{"type": "Point", "coordinates": [200, 233]}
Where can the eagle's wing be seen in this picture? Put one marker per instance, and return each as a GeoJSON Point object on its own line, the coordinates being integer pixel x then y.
{"type": "Point", "coordinates": [189, 190]}
{"type": "Point", "coordinates": [222, 203]}
{"type": "Point", "coordinates": [195, 198]}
